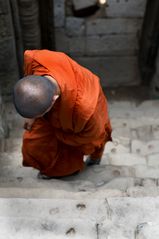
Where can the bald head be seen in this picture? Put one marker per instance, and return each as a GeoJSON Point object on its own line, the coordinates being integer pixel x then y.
{"type": "Point", "coordinates": [32, 95]}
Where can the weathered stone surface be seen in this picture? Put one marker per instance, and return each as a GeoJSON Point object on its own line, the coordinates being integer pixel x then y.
{"type": "Point", "coordinates": [71, 45]}
{"type": "Point", "coordinates": [147, 230]}
{"type": "Point", "coordinates": [144, 132]}
{"type": "Point", "coordinates": [115, 26]}
{"type": "Point", "coordinates": [61, 40]}
{"type": "Point", "coordinates": [77, 46]}
{"type": "Point", "coordinates": [122, 8]}
{"type": "Point", "coordinates": [83, 4]}
{"type": "Point", "coordinates": [149, 183]}
{"type": "Point", "coordinates": [112, 45]}
{"type": "Point", "coordinates": [8, 67]}
{"type": "Point", "coordinates": [153, 160]}
{"type": "Point", "coordinates": [86, 218]}
{"type": "Point", "coordinates": [120, 183]}
{"type": "Point", "coordinates": [75, 26]}
{"type": "Point", "coordinates": [123, 135]}
{"type": "Point", "coordinates": [126, 159]}
{"type": "Point", "coordinates": [112, 147]}
{"type": "Point", "coordinates": [145, 171]}
{"type": "Point", "coordinates": [155, 131]}
{"type": "Point", "coordinates": [142, 148]}
{"type": "Point", "coordinates": [59, 13]}
{"type": "Point", "coordinates": [29, 20]}
{"type": "Point", "coordinates": [155, 81]}
{"type": "Point", "coordinates": [154, 87]}
{"type": "Point", "coordinates": [104, 180]}
{"type": "Point", "coordinates": [148, 108]}
{"type": "Point", "coordinates": [3, 124]}
{"type": "Point", "coordinates": [138, 191]}
{"type": "Point", "coordinates": [125, 73]}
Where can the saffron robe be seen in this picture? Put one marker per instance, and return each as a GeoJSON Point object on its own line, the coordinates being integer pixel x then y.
{"type": "Point", "coordinates": [78, 123]}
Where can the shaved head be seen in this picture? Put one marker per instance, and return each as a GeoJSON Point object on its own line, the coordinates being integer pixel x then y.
{"type": "Point", "coordinates": [32, 95]}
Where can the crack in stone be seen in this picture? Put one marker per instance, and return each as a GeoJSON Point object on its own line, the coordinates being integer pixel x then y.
{"type": "Point", "coordinates": [108, 208]}
{"type": "Point", "coordinates": [97, 230]}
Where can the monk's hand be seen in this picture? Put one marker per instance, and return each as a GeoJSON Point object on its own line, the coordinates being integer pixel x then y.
{"type": "Point", "coordinates": [28, 124]}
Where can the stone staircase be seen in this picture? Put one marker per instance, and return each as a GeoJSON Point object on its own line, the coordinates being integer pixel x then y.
{"type": "Point", "coordinates": [117, 199]}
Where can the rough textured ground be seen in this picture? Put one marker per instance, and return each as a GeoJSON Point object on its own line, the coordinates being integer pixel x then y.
{"type": "Point", "coordinates": [118, 199]}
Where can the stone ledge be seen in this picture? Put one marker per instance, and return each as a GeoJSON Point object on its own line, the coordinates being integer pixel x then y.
{"type": "Point", "coordinates": [104, 68]}
{"type": "Point", "coordinates": [130, 9]}
{"type": "Point", "coordinates": [105, 217]}
{"type": "Point", "coordinates": [115, 26]}
{"type": "Point", "coordinates": [112, 45]}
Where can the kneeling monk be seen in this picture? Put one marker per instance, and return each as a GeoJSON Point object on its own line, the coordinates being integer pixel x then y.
{"type": "Point", "coordinates": [66, 113]}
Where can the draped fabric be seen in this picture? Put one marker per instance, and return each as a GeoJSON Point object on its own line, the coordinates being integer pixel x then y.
{"type": "Point", "coordinates": [77, 125]}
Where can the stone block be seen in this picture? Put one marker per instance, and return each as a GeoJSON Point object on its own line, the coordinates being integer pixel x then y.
{"type": "Point", "coordinates": [122, 135]}
{"type": "Point", "coordinates": [153, 160]}
{"type": "Point", "coordinates": [83, 4]}
{"type": "Point", "coordinates": [125, 73]}
{"type": "Point", "coordinates": [8, 68]}
{"type": "Point", "coordinates": [120, 122]}
{"type": "Point", "coordinates": [154, 86]}
{"type": "Point", "coordinates": [129, 8]}
{"type": "Point", "coordinates": [143, 148]}
{"type": "Point", "coordinates": [75, 26]}
{"type": "Point", "coordinates": [149, 108]}
{"type": "Point", "coordinates": [61, 40]}
{"type": "Point", "coordinates": [147, 230]}
{"type": "Point", "coordinates": [4, 7]}
{"type": "Point", "coordinates": [43, 228]}
{"type": "Point", "coordinates": [148, 182]}
{"type": "Point", "coordinates": [112, 45]}
{"type": "Point", "coordinates": [144, 132]}
{"type": "Point", "coordinates": [120, 183]}
{"type": "Point", "coordinates": [6, 29]}
{"type": "Point", "coordinates": [126, 159]}
{"type": "Point", "coordinates": [8, 58]}
{"type": "Point", "coordinates": [139, 191]}
{"type": "Point", "coordinates": [144, 171]}
{"type": "Point", "coordinates": [2, 145]}
{"type": "Point", "coordinates": [115, 148]}
{"type": "Point", "coordinates": [77, 46]}
{"type": "Point", "coordinates": [59, 13]}
{"type": "Point", "coordinates": [115, 26]}
{"type": "Point", "coordinates": [155, 131]}
{"type": "Point", "coordinates": [3, 124]}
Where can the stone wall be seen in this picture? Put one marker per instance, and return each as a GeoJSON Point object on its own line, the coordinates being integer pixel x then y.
{"type": "Point", "coordinates": [19, 30]}
{"type": "Point", "coordinates": [8, 60]}
{"type": "Point", "coordinates": [155, 80]}
{"type": "Point", "coordinates": [3, 123]}
{"type": "Point", "coordinates": [105, 41]}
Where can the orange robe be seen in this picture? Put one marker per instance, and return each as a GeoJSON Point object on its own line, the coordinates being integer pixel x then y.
{"type": "Point", "coordinates": [78, 123]}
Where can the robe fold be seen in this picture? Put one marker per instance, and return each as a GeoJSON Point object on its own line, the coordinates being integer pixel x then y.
{"type": "Point", "coordinates": [78, 124]}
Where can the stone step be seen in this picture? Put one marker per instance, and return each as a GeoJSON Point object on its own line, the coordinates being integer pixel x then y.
{"type": "Point", "coordinates": [53, 191]}
{"type": "Point", "coordinates": [118, 187]}
{"type": "Point", "coordinates": [11, 144]}
{"type": "Point", "coordinates": [117, 154]}
{"type": "Point", "coordinates": [102, 218]}
{"type": "Point", "coordinates": [135, 181]}
{"type": "Point", "coordinates": [35, 228]}
{"type": "Point", "coordinates": [147, 230]}
{"type": "Point", "coordinates": [133, 110]}
{"type": "Point", "coordinates": [10, 158]}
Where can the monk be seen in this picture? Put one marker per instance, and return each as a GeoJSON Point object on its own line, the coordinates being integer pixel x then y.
{"type": "Point", "coordinates": [66, 114]}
